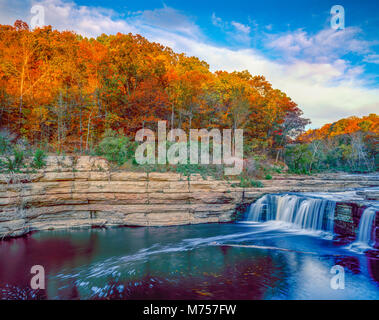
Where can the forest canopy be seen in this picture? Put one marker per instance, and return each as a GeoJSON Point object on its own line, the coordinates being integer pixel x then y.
{"type": "Point", "coordinates": [62, 90]}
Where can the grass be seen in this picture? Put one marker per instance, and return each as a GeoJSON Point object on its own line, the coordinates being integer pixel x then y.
{"type": "Point", "coordinates": [248, 182]}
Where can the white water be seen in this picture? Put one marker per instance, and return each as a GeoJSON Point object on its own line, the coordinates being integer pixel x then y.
{"type": "Point", "coordinates": [256, 210]}
{"type": "Point", "coordinates": [302, 211]}
{"type": "Point", "coordinates": [365, 230]}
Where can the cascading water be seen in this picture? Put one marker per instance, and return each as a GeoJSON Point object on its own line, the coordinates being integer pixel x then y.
{"type": "Point", "coordinates": [255, 211]}
{"type": "Point", "coordinates": [305, 212]}
{"type": "Point", "coordinates": [365, 229]}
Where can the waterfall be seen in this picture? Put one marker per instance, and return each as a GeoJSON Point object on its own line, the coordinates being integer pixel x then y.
{"type": "Point", "coordinates": [365, 232]}
{"type": "Point", "coordinates": [255, 211]}
{"type": "Point", "coordinates": [303, 211]}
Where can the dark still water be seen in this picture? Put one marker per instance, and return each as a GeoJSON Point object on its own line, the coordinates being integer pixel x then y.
{"type": "Point", "coordinates": [188, 262]}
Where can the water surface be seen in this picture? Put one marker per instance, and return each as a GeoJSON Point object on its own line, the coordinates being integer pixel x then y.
{"type": "Point", "coordinates": [210, 261]}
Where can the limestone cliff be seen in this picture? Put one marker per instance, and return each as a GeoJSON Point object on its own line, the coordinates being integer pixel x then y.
{"type": "Point", "coordinates": [84, 192]}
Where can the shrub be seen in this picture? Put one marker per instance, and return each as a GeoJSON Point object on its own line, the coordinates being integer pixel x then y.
{"type": "Point", "coordinates": [15, 162]}
{"type": "Point", "coordinates": [299, 158]}
{"type": "Point", "coordinates": [278, 169]}
{"type": "Point", "coordinates": [116, 148]}
{"type": "Point", "coordinates": [211, 170]}
{"type": "Point", "coordinates": [18, 158]}
{"type": "Point", "coordinates": [246, 182]}
{"type": "Point", "coordinates": [268, 177]}
{"type": "Point", "coordinates": [39, 159]}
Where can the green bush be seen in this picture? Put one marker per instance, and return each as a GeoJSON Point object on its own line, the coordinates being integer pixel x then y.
{"type": "Point", "coordinates": [210, 170]}
{"type": "Point", "coordinates": [246, 182]}
{"type": "Point", "coordinates": [299, 158]}
{"type": "Point", "coordinates": [268, 177]}
{"type": "Point", "coordinates": [277, 169]}
{"type": "Point", "coordinates": [14, 162]}
{"type": "Point", "coordinates": [39, 159]}
{"type": "Point", "coordinates": [18, 159]}
{"type": "Point", "coordinates": [116, 148]}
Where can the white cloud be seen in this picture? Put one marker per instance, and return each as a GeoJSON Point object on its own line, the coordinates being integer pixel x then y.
{"type": "Point", "coordinates": [235, 31]}
{"type": "Point", "coordinates": [325, 87]}
{"type": "Point", "coordinates": [241, 27]}
{"type": "Point", "coordinates": [87, 21]}
{"type": "Point", "coordinates": [269, 27]}
{"type": "Point", "coordinates": [325, 92]}
{"type": "Point", "coordinates": [326, 45]}
{"type": "Point", "coordinates": [169, 19]}
{"type": "Point", "coordinates": [372, 58]}
{"type": "Point", "coordinates": [216, 21]}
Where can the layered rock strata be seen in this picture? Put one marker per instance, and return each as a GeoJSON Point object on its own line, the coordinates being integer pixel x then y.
{"type": "Point", "coordinates": [84, 192]}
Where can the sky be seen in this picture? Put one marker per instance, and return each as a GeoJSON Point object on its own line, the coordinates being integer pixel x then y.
{"type": "Point", "coordinates": [329, 73]}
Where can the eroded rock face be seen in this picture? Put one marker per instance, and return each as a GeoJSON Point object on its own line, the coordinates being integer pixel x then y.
{"type": "Point", "coordinates": [83, 192]}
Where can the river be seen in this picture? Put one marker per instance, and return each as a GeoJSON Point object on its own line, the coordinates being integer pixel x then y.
{"type": "Point", "coordinates": [264, 260]}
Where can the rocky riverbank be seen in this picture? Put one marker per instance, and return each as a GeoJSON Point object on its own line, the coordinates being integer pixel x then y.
{"type": "Point", "coordinates": [84, 192]}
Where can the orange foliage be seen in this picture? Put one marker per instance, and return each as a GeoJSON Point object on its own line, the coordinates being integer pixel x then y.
{"type": "Point", "coordinates": [64, 90]}
{"type": "Point", "coordinates": [368, 124]}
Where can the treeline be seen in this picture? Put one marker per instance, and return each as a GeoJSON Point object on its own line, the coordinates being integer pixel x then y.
{"type": "Point", "coordinates": [62, 92]}
{"type": "Point", "coordinates": [350, 144]}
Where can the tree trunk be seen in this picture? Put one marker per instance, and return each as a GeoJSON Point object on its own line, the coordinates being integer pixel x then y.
{"type": "Point", "coordinates": [88, 127]}
{"type": "Point", "coordinates": [172, 120]}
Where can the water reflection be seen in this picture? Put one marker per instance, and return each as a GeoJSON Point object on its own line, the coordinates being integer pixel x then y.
{"type": "Point", "coordinates": [373, 269]}
{"type": "Point", "coordinates": [189, 262]}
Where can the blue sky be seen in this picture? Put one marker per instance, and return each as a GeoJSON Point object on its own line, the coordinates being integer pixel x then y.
{"type": "Point", "coordinates": [329, 73]}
